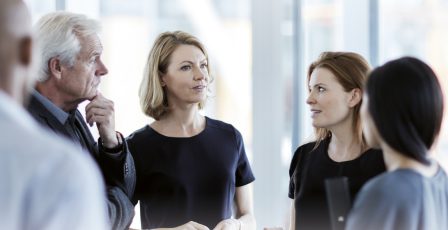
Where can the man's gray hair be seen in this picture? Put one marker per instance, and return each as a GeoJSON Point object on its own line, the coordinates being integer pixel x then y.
{"type": "Point", "coordinates": [58, 34]}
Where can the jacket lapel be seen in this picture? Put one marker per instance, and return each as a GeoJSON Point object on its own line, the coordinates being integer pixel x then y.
{"type": "Point", "coordinates": [45, 117]}
{"type": "Point", "coordinates": [87, 135]}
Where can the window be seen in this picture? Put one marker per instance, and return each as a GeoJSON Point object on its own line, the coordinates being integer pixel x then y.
{"type": "Point", "coordinates": [418, 28]}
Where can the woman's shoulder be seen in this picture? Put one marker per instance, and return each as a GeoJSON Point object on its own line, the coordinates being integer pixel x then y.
{"type": "Point", "coordinates": [371, 156]}
{"type": "Point", "coordinates": [373, 152]}
{"type": "Point", "coordinates": [218, 125]}
{"type": "Point", "coordinates": [299, 155]}
{"type": "Point", "coordinates": [388, 194]}
{"type": "Point", "coordinates": [310, 146]}
{"type": "Point", "coordinates": [139, 134]}
{"type": "Point", "coordinates": [306, 145]}
{"type": "Point", "coordinates": [403, 181]}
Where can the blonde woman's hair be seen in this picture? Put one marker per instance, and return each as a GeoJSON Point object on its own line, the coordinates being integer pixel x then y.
{"type": "Point", "coordinates": [351, 71]}
{"type": "Point", "coordinates": [153, 100]}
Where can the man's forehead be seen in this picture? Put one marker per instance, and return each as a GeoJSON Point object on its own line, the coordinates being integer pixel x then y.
{"type": "Point", "coordinates": [91, 44]}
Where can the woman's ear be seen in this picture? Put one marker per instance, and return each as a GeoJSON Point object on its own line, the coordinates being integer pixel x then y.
{"type": "Point", "coordinates": [162, 80]}
{"type": "Point", "coordinates": [355, 97]}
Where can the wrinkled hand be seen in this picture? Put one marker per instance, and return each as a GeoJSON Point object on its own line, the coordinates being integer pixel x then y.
{"type": "Point", "coordinates": [101, 111]}
{"type": "Point", "coordinates": [228, 224]}
{"type": "Point", "coordinates": [192, 226]}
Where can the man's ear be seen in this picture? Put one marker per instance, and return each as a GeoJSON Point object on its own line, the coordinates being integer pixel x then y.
{"type": "Point", "coordinates": [25, 51]}
{"type": "Point", "coordinates": [54, 67]}
{"type": "Point", "coordinates": [355, 97]}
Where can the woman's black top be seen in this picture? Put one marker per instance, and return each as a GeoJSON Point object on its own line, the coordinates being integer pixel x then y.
{"type": "Point", "coordinates": [308, 171]}
{"type": "Point", "coordinates": [188, 179]}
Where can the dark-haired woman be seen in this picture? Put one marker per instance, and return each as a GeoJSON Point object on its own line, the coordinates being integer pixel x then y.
{"type": "Point", "coordinates": [402, 115]}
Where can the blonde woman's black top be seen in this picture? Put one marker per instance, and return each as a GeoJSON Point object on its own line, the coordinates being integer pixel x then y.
{"type": "Point", "coordinates": [188, 179]}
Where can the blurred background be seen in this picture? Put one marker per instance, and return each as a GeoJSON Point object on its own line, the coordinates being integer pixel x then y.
{"type": "Point", "coordinates": [259, 52]}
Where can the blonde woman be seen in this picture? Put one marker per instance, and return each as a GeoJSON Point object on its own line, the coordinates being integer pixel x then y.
{"type": "Point", "coordinates": [191, 169]}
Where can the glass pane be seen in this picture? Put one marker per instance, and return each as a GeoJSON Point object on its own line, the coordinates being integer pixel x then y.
{"type": "Point", "coordinates": [39, 8]}
{"type": "Point", "coordinates": [322, 21]}
{"type": "Point", "coordinates": [130, 27]}
{"type": "Point", "coordinates": [418, 28]}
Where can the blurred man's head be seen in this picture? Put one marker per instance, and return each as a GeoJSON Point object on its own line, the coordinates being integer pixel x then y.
{"type": "Point", "coordinates": [15, 50]}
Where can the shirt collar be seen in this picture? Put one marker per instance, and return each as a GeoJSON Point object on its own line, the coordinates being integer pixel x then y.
{"type": "Point", "coordinates": [60, 114]}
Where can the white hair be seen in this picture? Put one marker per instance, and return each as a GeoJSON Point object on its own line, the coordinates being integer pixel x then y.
{"type": "Point", "coordinates": [58, 34]}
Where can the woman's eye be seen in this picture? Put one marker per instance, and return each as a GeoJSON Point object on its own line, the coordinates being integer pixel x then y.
{"type": "Point", "coordinates": [185, 67]}
{"type": "Point", "coordinates": [320, 89]}
{"type": "Point", "coordinates": [204, 65]}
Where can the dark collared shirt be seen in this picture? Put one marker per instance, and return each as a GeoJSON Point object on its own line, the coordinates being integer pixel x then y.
{"type": "Point", "coordinates": [60, 114]}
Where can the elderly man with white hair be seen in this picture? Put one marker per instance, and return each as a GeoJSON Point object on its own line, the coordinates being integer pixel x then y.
{"type": "Point", "coordinates": [46, 183]}
{"type": "Point", "coordinates": [70, 72]}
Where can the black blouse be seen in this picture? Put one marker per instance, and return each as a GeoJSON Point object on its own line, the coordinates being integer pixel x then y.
{"type": "Point", "coordinates": [308, 171]}
{"type": "Point", "coordinates": [188, 179]}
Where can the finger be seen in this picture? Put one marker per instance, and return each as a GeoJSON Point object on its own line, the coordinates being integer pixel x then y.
{"type": "Point", "coordinates": [225, 224]}
{"type": "Point", "coordinates": [109, 105]}
{"type": "Point", "coordinates": [93, 104]}
{"type": "Point", "coordinates": [97, 95]}
{"type": "Point", "coordinates": [101, 103]}
{"type": "Point", "coordinates": [228, 224]}
{"type": "Point", "coordinates": [218, 226]}
{"type": "Point", "coordinates": [198, 226]}
{"type": "Point", "coordinates": [92, 113]}
{"type": "Point", "coordinates": [91, 119]}
{"type": "Point", "coordinates": [98, 119]}
{"type": "Point", "coordinates": [98, 112]}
